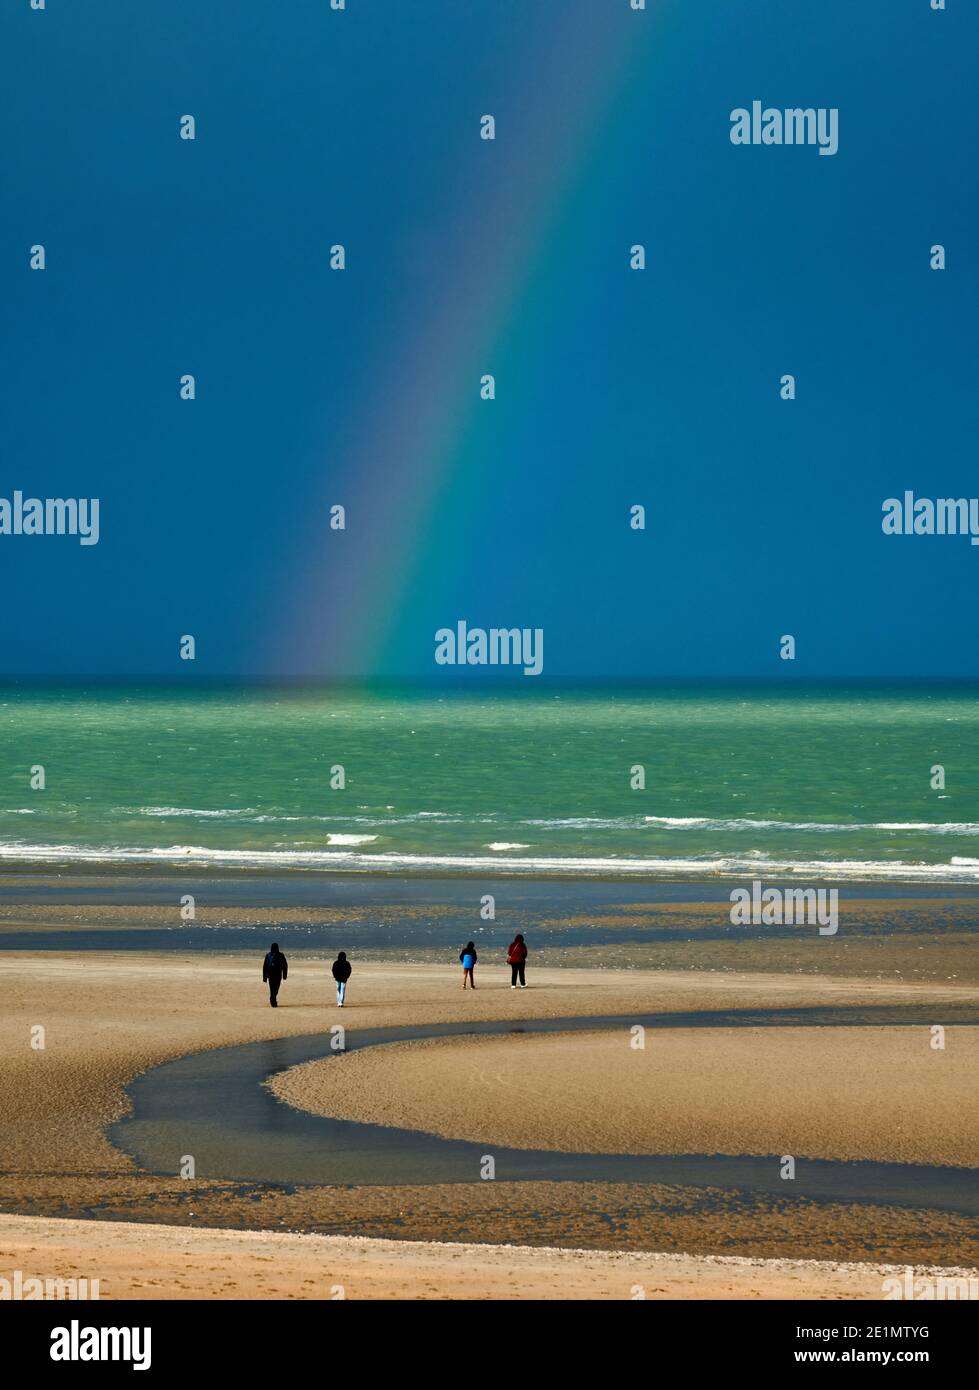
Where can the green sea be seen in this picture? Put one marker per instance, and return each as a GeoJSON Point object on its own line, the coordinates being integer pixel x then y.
{"type": "Point", "coordinates": [738, 781]}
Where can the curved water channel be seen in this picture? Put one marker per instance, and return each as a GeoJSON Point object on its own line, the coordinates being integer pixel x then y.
{"type": "Point", "coordinates": [214, 1106]}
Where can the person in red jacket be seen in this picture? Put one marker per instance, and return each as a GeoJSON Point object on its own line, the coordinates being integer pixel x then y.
{"type": "Point", "coordinates": [516, 958]}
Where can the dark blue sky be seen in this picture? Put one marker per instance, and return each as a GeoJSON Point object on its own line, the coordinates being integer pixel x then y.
{"type": "Point", "coordinates": [464, 257]}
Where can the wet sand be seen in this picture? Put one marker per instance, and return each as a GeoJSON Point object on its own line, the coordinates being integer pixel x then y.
{"type": "Point", "coordinates": [916, 935]}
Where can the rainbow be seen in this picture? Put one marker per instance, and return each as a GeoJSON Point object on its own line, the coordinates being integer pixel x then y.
{"type": "Point", "coordinates": [345, 596]}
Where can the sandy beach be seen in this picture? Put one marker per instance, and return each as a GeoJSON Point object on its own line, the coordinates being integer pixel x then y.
{"type": "Point", "coordinates": [107, 1017]}
{"type": "Point", "coordinates": [144, 1261]}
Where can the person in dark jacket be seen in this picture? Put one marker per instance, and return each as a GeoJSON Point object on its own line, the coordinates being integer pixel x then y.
{"type": "Point", "coordinates": [516, 959]}
{"type": "Point", "coordinates": [341, 973]}
{"type": "Point", "coordinates": [275, 968]}
{"type": "Point", "coordinates": [469, 958]}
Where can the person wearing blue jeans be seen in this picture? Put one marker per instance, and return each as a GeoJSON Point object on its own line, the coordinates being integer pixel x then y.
{"type": "Point", "coordinates": [341, 973]}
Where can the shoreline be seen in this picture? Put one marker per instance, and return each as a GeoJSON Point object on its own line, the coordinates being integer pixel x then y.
{"type": "Point", "coordinates": [840, 874]}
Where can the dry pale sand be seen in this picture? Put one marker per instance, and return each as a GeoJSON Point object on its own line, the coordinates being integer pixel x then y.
{"type": "Point", "coordinates": [850, 1093]}
{"type": "Point", "coordinates": [137, 1261]}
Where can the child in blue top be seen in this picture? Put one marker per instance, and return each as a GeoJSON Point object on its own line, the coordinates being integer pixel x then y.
{"type": "Point", "coordinates": [468, 957]}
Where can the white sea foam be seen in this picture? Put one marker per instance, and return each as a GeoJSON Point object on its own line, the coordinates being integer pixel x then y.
{"type": "Point", "coordinates": [834, 827]}
{"type": "Point", "coordinates": [249, 813]}
{"type": "Point", "coordinates": [169, 812]}
{"type": "Point", "coordinates": [584, 823]}
{"type": "Point", "coordinates": [505, 844]}
{"type": "Point", "coordinates": [350, 839]}
{"type": "Point", "coordinates": [678, 820]}
{"type": "Point", "coordinates": [744, 823]}
{"type": "Point", "coordinates": [705, 866]}
{"type": "Point", "coordinates": [709, 823]}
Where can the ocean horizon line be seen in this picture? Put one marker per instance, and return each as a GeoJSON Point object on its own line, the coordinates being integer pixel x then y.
{"type": "Point", "coordinates": [483, 685]}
